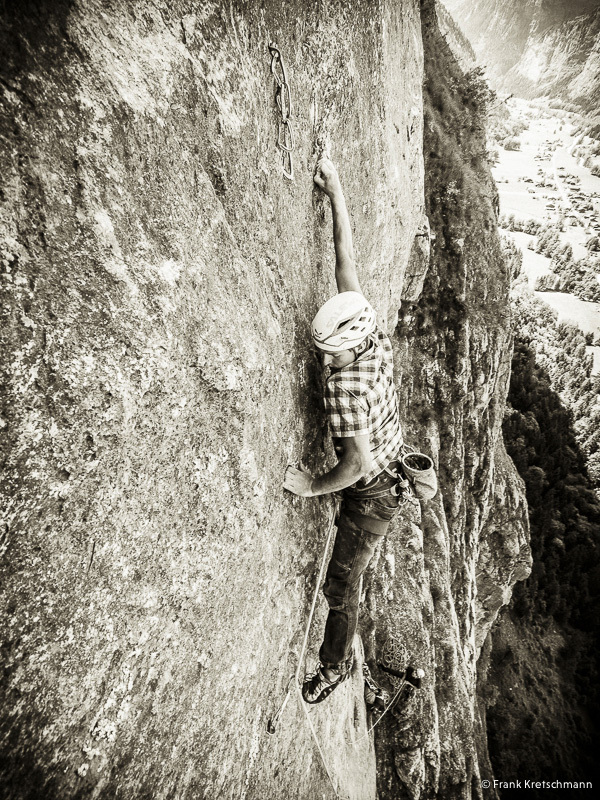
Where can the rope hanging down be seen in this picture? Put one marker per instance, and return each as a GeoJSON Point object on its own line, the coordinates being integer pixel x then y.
{"type": "Point", "coordinates": [296, 678]}
{"type": "Point", "coordinates": [283, 96]}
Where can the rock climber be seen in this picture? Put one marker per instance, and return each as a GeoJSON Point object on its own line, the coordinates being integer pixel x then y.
{"type": "Point", "coordinates": [362, 408]}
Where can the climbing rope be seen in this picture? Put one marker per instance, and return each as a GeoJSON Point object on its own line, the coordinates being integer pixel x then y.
{"type": "Point", "coordinates": [283, 96]}
{"type": "Point", "coordinates": [394, 653]}
{"type": "Point", "coordinates": [295, 678]}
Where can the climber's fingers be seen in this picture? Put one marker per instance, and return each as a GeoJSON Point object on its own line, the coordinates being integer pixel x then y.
{"type": "Point", "coordinates": [318, 180]}
{"type": "Point", "coordinates": [324, 169]}
{"type": "Point", "coordinates": [318, 177]}
{"type": "Point", "coordinates": [326, 176]}
{"type": "Point", "coordinates": [298, 481]}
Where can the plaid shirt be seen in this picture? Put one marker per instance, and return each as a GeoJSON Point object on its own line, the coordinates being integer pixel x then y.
{"type": "Point", "coordinates": [361, 398]}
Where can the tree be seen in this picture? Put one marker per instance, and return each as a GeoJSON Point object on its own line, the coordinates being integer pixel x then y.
{"type": "Point", "coordinates": [593, 244]}
{"type": "Point", "coordinates": [511, 143]}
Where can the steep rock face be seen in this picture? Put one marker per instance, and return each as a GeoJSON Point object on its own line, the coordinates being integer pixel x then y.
{"type": "Point", "coordinates": [159, 274]}
{"type": "Point", "coordinates": [536, 48]}
{"type": "Point", "coordinates": [502, 559]}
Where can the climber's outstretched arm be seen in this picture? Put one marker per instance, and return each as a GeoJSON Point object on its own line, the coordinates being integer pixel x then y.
{"type": "Point", "coordinates": [327, 179]}
{"type": "Point", "coordinates": [353, 464]}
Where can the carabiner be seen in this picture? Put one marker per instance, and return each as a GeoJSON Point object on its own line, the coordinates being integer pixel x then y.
{"type": "Point", "coordinates": [285, 126]}
{"type": "Point", "coordinates": [289, 174]}
{"type": "Point", "coordinates": [275, 57]}
{"type": "Point", "coordinates": [275, 54]}
{"type": "Point", "coordinates": [284, 87]}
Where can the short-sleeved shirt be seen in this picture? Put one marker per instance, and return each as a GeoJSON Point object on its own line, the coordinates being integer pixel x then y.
{"type": "Point", "coordinates": [361, 398]}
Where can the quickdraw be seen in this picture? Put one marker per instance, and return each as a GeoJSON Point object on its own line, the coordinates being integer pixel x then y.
{"type": "Point", "coordinates": [283, 96]}
{"type": "Point", "coordinates": [376, 698]}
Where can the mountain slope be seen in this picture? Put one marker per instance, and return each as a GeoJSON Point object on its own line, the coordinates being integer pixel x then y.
{"type": "Point", "coordinates": [537, 49]}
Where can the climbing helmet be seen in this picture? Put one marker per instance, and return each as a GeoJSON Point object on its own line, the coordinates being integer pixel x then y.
{"type": "Point", "coordinates": [343, 322]}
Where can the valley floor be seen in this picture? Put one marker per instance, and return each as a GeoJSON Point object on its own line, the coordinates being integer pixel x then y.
{"type": "Point", "coordinates": [544, 181]}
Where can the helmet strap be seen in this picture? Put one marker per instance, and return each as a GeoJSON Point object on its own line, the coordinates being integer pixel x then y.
{"type": "Point", "coordinates": [360, 348]}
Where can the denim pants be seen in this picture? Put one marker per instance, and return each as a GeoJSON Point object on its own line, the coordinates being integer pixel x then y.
{"type": "Point", "coordinates": [364, 517]}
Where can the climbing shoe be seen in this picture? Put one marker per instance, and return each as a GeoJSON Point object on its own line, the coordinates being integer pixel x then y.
{"type": "Point", "coordinates": [316, 687]}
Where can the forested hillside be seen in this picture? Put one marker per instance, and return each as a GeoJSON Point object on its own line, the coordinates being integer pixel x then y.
{"type": "Point", "coordinates": [459, 44]}
{"type": "Point", "coordinates": [542, 694]}
{"type": "Point", "coordinates": [577, 276]}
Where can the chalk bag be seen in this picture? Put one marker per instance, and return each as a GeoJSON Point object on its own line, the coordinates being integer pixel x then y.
{"type": "Point", "coordinates": [418, 468]}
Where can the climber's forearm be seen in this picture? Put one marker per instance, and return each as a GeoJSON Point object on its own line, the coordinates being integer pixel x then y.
{"type": "Point", "coordinates": [345, 269]}
{"type": "Point", "coordinates": [328, 180]}
{"type": "Point", "coordinates": [355, 462]}
{"type": "Point", "coordinates": [344, 474]}
{"type": "Point", "coordinates": [342, 232]}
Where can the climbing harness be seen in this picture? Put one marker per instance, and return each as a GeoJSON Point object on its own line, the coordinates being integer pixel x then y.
{"type": "Point", "coordinates": [295, 678]}
{"type": "Point", "coordinates": [401, 489]}
{"type": "Point", "coordinates": [415, 476]}
{"type": "Point", "coordinates": [283, 96]}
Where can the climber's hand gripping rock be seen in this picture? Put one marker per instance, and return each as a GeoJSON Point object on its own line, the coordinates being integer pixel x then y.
{"type": "Point", "coordinates": [326, 177]}
{"type": "Point", "coordinates": [298, 481]}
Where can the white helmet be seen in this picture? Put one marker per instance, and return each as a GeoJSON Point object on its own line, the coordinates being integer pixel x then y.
{"type": "Point", "coordinates": [343, 322]}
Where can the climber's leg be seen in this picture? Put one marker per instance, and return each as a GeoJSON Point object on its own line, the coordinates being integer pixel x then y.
{"type": "Point", "coordinates": [364, 518]}
{"type": "Point", "coordinates": [353, 549]}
